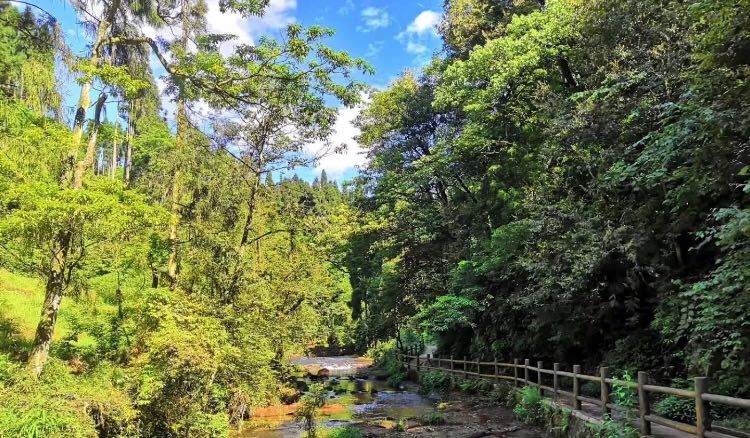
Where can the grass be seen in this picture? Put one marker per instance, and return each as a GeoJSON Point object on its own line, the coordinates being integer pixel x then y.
{"type": "Point", "coordinates": [21, 301]}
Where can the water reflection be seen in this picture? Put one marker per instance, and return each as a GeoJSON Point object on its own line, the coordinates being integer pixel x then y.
{"type": "Point", "coordinates": [350, 401]}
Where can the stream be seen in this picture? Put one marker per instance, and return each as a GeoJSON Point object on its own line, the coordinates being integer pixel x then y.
{"type": "Point", "coordinates": [353, 397]}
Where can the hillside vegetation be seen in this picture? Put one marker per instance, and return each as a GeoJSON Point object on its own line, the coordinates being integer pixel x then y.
{"type": "Point", "coordinates": [566, 180]}
{"type": "Point", "coordinates": [569, 183]}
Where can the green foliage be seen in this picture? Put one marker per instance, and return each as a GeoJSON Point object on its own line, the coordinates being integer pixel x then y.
{"type": "Point", "coordinates": [447, 313]}
{"type": "Point", "coordinates": [568, 181]}
{"type": "Point", "coordinates": [385, 356]}
{"type": "Point", "coordinates": [434, 418]}
{"type": "Point", "coordinates": [436, 381]}
{"type": "Point", "coordinates": [504, 395]}
{"type": "Point", "coordinates": [676, 408]}
{"type": "Point", "coordinates": [400, 425]}
{"type": "Point", "coordinates": [27, 61]}
{"type": "Point", "coordinates": [382, 352]}
{"type": "Point", "coordinates": [309, 405]}
{"type": "Point", "coordinates": [611, 428]}
{"type": "Point", "coordinates": [624, 394]}
{"type": "Point", "coordinates": [345, 432]}
{"type": "Point", "coordinates": [62, 405]}
{"type": "Point", "coordinates": [529, 408]}
{"type": "Point", "coordinates": [151, 352]}
{"type": "Point", "coordinates": [475, 386]}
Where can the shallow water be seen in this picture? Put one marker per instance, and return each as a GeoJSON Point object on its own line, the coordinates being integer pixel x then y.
{"type": "Point", "coordinates": [350, 401]}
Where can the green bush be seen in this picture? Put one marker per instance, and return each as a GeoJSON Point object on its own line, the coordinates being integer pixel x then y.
{"type": "Point", "coordinates": [612, 428]}
{"type": "Point", "coordinates": [400, 425]}
{"type": "Point", "coordinates": [385, 356]}
{"type": "Point", "coordinates": [345, 432]}
{"type": "Point", "coordinates": [59, 404]}
{"type": "Point", "coordinates": [739, 422]}
{"type": "Point", "coordinates": [676, 408]}
{"type": "Point", "coordinates": [624, 395]}
{"type": "Point", "coordinates": [380, 350]}
{"type": "Point", "coordinates": [475, 386]}
{"type": "Point", "coordinates": [503, 395]}
{"type": "Point", "coordinates": [309, 406]}
{"type": "Point", "coordinates": [436, 381]}
{"type": "Point", "coordinates": [529, 408]}
{"type": "Point", "coordinates": [434, 418]}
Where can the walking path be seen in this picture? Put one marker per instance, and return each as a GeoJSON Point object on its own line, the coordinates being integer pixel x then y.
{"type": "Point", "coordinates": [593, 413]}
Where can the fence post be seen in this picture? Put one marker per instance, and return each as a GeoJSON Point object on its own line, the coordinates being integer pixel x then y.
{"type": "Point", "coordinates": [643, 406]}
{"type": "Point", "coordinates": [603, 373]}
{"type": "Point", "coordinates": [702, 411]}
{"type": "Point", "coordinates": [438, 362]}
{"type": "Point", "coordinates": [497, 372]}
{"type": "Point", "coordinates": [526, 363]}
{"type": "Point", "coordinates": [539, 365]}
{"type": "Point", "coordinates": [428, 363]}
{"type": "Point", "coordinates": [555, 381]}
{"type": "Point", "coordinates": [479, 367]}
{"type": "Point", "coordinates": [515, 372]}
{"type": "Point", "coordinates": [451, 365]}
{"type": "Point", "coordinates": [465, 375]}
{"type": "Point", "coordinates": [576, 388]}
{"type": "Point", "coordinates": [417, 356]}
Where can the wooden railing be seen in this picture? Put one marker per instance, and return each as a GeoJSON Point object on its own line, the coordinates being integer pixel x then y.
{"type": "Point", "coordinates": [522, 373]}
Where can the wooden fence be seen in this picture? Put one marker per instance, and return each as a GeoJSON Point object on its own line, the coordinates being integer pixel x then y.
{"type": "Point", "coordinates": [521, 374]}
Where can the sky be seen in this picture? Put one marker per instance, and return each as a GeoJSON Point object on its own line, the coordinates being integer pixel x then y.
{"type": "Point", "coordinates": [392, 35]}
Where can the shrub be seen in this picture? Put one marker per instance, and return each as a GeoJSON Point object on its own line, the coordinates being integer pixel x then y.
{"type": "Point", "coordinates": [501, 394]}
{"type": "Point", "coordinates": [676, 408]}
{"type": "Point", "coordinates": [385, 356]}
{"type": "Point", "coordinates": [400, 425]}
{"type": "Point", "coordinates": [309, 405]}
{"type": "Point", "coordinates": [624, 395]}
{"type": "Point", "coordinates": [436, 381]}
{"type": "Point", "coordinates": [529, 408]}
{"type": "Point", "coordinates": [380, 350]}
{"type": "Point", "coordinates": [61, 405]}
{"type": "Point", "coordinates": [394, 380]}
{"type": "Point", "coordinates": [345, 432]}
{"type": "Point", "coordinates": [612, 428]}
{"type": "Point", "coordinates": [475, 386]}
{"type": "Point", "coordinates": [434, 418]}
{"type": "Point", "coordinates": [740, 422]}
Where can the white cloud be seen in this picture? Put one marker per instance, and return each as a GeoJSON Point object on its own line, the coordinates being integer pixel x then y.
{"type": "Point", "coordinates": [373, 49]}
{"type": "Point", "coordinates": [277, 15]}
{"type": "Point", "coordinates": [417, 35]}
{"type": "Point", "coordinates": [344, 132]}
{"type": "Point", "coordinates": [373, 18]}
{"type": "Point", "coordinates": [347, 8]}
{"type": "Point", "coordinates": [415, 48]}
{"type": "Point", "coordinates": [426, 21]}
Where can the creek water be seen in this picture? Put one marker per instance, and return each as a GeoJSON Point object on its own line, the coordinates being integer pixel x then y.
{"type": "Point", "coordinates": [351, 400]}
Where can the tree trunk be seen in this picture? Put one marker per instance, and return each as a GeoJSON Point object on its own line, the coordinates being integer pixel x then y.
{"type": "Point", "coordinates": [175, 211]}
{"type": "Point", "coordinates": [113, 170]}
{"type": "Point", "coordinates": [182, 127]}
{"type": "Point", "coordinates": [129, 151]}
{"type": "Point", "coordinates": [88, 158]}
{"type": "Point", "coordinates": [56, 278]}
{"type": "Point", "coordinates": [52, 299]}
{"type": "Point", "coordinates": [84, 100]}
{"type": "Point", "coordinates": [246, 230]}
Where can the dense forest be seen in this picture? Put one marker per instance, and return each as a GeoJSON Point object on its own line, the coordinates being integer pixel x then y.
{"type": "Point", "coordinates": [569, 182]}
{"type": "Point", "coordinates": [566, 180]}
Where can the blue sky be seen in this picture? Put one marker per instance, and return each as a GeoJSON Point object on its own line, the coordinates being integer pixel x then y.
{"type": "Point", "coordinates": [392, 35]}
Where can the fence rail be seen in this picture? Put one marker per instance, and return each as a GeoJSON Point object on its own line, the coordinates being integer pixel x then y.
{"type": "Point", "coordinates": [521, 373]}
